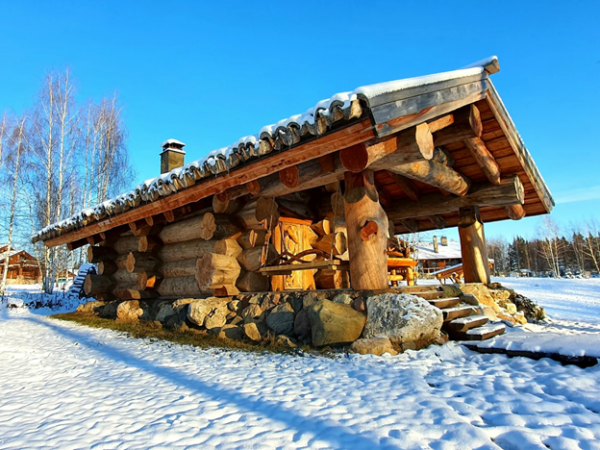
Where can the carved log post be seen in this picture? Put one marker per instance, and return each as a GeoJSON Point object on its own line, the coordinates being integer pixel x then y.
{"type": "Point", "coordinates": [472, 246]}
{"type": "Point", "coordinates": [368, 259]}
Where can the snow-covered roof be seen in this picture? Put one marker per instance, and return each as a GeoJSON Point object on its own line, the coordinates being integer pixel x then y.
{"type": "Point", "coordinates": [314, 122]}
{"type": "Point", "coordinates": [424, 251]}
{"type": "Point", "coordinates": [172, 141]}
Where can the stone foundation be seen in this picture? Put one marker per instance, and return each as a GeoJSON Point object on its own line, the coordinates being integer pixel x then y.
{"type": "Point", "coordinates": [367, 321]}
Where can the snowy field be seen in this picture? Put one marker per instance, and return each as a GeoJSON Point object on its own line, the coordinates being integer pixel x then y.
{"type": "Point", "coordinates": [67, 386]}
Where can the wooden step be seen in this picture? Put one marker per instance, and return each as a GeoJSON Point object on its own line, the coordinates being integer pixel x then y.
{"type": "Point", "coordinates": [413, 289]}
{"type": "Point", "coordinates": [480, 333]}
{"type": "Point", "coordinates": [428, 295]}
{"type": "Point", "coordinates": [459, 311]}
{"type": "Point", "coordinates": [444, 302]}
{"type": "Point", "coordinates": [463, 324]}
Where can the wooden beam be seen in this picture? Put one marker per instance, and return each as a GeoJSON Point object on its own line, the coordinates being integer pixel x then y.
{"type": "Point", "coordinates": [414, 144]}
{"type": "Point", "coordinates": [407, 185]}
{"type": "Point", "coordinates": [473, 248]}
{"type": "Point", "coordinates": [335, 141]}
{"type": "Point", "coordinates": [440, 123]}
{"type": "Point", "coordinates": [466, 125]}
{"type": "Point", "coordinates": [515, 212]}
{"type": "Point", "coordinates": [76, 244]}
{"type": "Point", "coordinates": [438, 221]}
{"type": "Point", "coordinates": [509, 192]}
{"type": "Point", "coordinates": [368, 259]}
{"type": "Point", "coordinates": [434, 174]}
{"type": "Point", "coordinates": [484, 159]}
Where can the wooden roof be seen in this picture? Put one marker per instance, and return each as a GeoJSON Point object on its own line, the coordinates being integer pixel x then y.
{"type": "Point", "coordinates": [366, 116]}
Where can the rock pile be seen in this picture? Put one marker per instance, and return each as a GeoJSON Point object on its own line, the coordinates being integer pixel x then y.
{"type": "Point", "coordinates": [388, 323]}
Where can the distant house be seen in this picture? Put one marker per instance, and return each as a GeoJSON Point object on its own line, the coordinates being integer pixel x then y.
{"type": "Point", "coordinates": [433, 256]}
{"type": "Point", "coordinates": [22, 267]}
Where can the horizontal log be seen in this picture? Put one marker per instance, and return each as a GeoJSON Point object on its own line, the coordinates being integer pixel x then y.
{"type": "Point", "coordinates": [97, 284]}
{"type": "Point", "coordinates": [179, 287]}
{"type": "Point", "coordinates": [222, 204]}
{"type": "Point", "coordinates": [510, 191]}
{"type": "Point", "coordinates": [515, 212]}
{"type": "Point", "coordinates": [141, 262]}
{"type": "Point", "coordinates": [434, 174]}
{"type": "Point", "coordinates": [148, 280]}
{"type": "Point", "coordinates": [259, 214]}
{"type": "Point", "coordinates": [122, 276]}
{"type": "Point", "coordinates": [217, 226]}
{"type": "Point", "coordinates": [108, 267]}
{"type": "Point", "coordinates": [148, 243]}
{"type": "Point", "coordinates": [253, 259]}
{"type": "Point", "coordinates": [252, 238]}
{"type": "Point", "coordinates": [214, 271]}
{"type": "Point", "coordinates": [97, 254]}
{"type": "Point", "coordinates": [127, 244]}
{"type": "Point", "coordinates": [182, 231]}
{"type": "Point", "coordinates": [252, 282]}
{"type": "Point", "coordinates": [179, 268]}
{"type": "Point", "coordinates": [191, 249]}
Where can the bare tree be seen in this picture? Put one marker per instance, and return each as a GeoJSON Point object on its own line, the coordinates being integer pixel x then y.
{"type": "Point", "coordinates": [591, 244]}
{"type": "Point", "coordinates": [17, 140]}
{"type": "Point", "coordinates": [550, 244]}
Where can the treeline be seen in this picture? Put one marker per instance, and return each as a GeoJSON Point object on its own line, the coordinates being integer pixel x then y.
{"type": "Point", "coordinates": [56, 158]}
{"type": "Point", "coordinates": [554, 252]}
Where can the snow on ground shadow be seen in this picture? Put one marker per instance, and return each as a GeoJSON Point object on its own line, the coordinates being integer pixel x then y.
{"type": "Point", "coordinates": [67, 386]}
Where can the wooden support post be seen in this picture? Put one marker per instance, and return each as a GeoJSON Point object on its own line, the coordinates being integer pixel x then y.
{"type": "Point", "coordinates": [472, 245]}
{"type": "Point", "coordinates": [368, 258]}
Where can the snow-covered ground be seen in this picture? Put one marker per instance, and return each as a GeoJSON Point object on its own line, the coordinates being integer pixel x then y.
{"type": "Point", "coordinates": [563, 299]}
{"type": "Point", "coordinates": [67, 386]}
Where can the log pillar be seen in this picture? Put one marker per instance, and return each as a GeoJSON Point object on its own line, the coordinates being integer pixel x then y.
{"type": "Point", "coordinates": [472, 245]}
{"type": "Point", "coordinates": [367, 249]}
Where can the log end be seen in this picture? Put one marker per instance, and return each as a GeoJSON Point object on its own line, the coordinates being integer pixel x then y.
{"type": "Point", "coordinates": [424, 140]}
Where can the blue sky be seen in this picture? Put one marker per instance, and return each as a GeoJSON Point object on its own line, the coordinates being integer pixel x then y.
{"type": "Point", "coordinates": [208, 73]}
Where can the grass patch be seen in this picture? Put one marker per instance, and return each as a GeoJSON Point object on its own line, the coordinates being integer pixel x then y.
{"type": "Point", "coordinates": [148, 330]}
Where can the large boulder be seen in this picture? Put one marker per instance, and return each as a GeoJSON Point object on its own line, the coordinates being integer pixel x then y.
{"type": "Point", "coordinates": [334, 323]}
{"type": "Point", "coordinates": [482, 293]}
{"type": "Point", "coordinates": [232, 332]}
{"type": "Point", "coordinates": [199, 310]}
{"type": "Point", "coordinates": [129, 311]}
{"type": "Point", "coordinates": [110, 310]}
{"type": "Point", "coordinates": [216, 319]}
{"type": "Point", "coordinates": [165, 312]}
{"type": "Point", "coordinates": [373, 346]}
{"type": "Point", "coordinates": [252, 332]}
{"type": "Point", "coordinates": [407, 320]}
{"type": "Point", "coordinates": [302, 324]}
{"type": "Point", "coordinates": [253, 313]}
{"type": "Point", "coordinates": [281, 319]}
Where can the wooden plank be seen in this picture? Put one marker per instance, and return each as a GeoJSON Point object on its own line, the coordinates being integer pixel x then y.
{"type": "Point", "coordinates": [402, 114]}
{"type": "Point", "coordinates": [318, 265]}
{"type": "Point", "coordinates": [346, 137]}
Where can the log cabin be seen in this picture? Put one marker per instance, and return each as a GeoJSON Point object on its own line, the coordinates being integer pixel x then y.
{"type": "Point", "coordinates": [315, 200]}
{"type": "Point", "coordinates": [22, 267]}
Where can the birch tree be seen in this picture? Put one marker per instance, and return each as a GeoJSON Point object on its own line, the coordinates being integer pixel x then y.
{"type": "Point", "coordinates": [550, 246]}
{"type": "Point", "coordinates": [17, 141]}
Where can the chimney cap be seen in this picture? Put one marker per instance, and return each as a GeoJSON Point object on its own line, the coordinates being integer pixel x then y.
{"type": "Point", "coordinates": [173, 145]}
